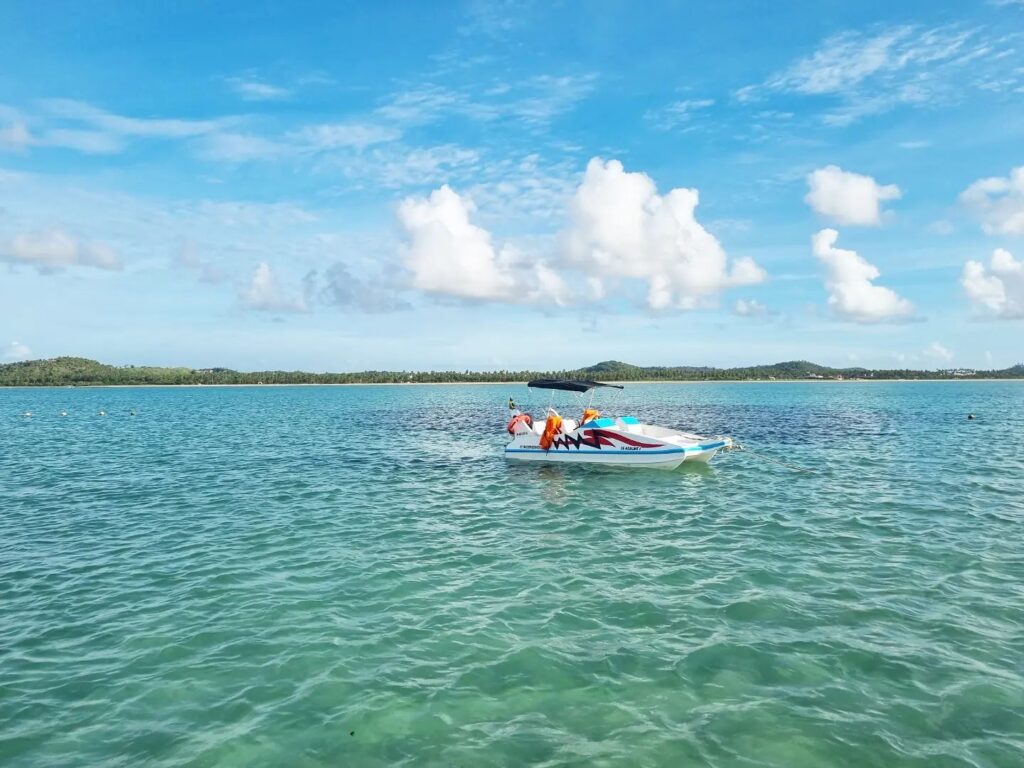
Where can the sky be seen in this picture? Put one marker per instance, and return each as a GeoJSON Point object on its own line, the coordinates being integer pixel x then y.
{"type": "Point", "coordinates": [512, 185]}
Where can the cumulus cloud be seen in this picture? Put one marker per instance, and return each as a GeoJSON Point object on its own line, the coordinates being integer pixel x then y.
{"type": "Point", "coordinates": [17, 351]}
{"type": "Point", "coordinates": [449, 255]}
{"type": "Point", "coordinates": [848, 198]}
{"type": "Point", "coordinates": [999, 289]}
{"type": "Point", "coordinates": [53, 250]}
{"type": "Point", "coordinates": [622, 228]}
{"type": "Point", "coordinates": [999, 202]}
{"type": "Point", "coordinates": [852, 294]}
{"type": "Point", "coordinates": [265, 293]}
{"type": "Point", "coordinates": [619, 229]}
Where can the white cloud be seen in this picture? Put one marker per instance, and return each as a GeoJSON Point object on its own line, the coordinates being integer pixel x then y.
{"type": "Point", "coordinates": [848, 198]}
{"type": "Point", "coordinates": [998, 289]}
{"type": "Point", "coordinates": [998, 202]}
{"type": "Point", "coordinates": [256, 90]}
{"type": "Point", "coordinates": [339, 135]}
{"type": "Point", "coordinates": [449, 255]}
{"type": "Point", "coordinates": [544, 97]}
{"type": "Point", "coordinates": [750, 308]}
{"type": "Point", "coordinates": [82, 127]}
{"type": "Point", "coordinates": [876, 71]}
{"type": "Point", "coordinates": [938, 352]}
{"type": "Point", "coordinates": [53, 250]}
{"type": "Point", "coordinates": [678, 114]}
{"type": "Point", "coordinates": [395, 166]}
{"type": "Point", "coordinates": [420, 105]}
{"type": "Point", "coordinates": [264, 293]}
{"type": "Point", "coordinates": [17, 136]}
{"type": "Point", "coordinates": [852, 295]}
{"type": "Point", "coordinates": [532, 102]}
{"type": "Point", "coordinates": [622, 228]}
{"type": "Point", "coordinates": [168, 128]}
{"type": "Point", "coordinates": [17, 351]}
{"type": "Point", "coordinates": [85, 141]}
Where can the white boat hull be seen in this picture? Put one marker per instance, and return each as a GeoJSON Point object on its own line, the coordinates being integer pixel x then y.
{"type": "Point", "coordinates": [637, 445]}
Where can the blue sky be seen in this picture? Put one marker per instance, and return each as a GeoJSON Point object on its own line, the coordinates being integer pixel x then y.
{"type": "Point", "coordinates": [512, 185]}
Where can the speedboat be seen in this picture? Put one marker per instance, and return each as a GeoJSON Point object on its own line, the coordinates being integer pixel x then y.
{"type": "Point", "coordinates": [600, 439]}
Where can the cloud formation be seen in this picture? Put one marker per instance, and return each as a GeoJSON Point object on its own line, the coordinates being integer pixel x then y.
{"type": "Point", "coordinates": [678, 114]}
{"type": "Point", "coordinates": [872, 72]}
{"type": "Point", "coordinates": [846, 197]}
{"type": "Point", "coordinates": [54, 250]}
{"type": "Point", "coordinates": [265, 293]}
{"type": "Point", "coordinates": [449, 255]}
{"type": "Point", "coordinates": [164, 128]}
{"type": "Point", "coordinates": [852, 294]}
{"type": "Point", "coordinates": [999, 202]}
{"type": "Point", "coordinates": [999, 289]}
{"type": "Point", "coordinates": [344, 135]}
{"type": "Point", "coordinates": [620, 227]}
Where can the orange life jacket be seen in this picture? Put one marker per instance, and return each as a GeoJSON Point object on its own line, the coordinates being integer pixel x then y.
{"type": "Point", "coordinates": [551, 428]}
{"type": "Point", "coordinates": [522, 418]}
{"type": "Point", "coordinates": [589, 414]}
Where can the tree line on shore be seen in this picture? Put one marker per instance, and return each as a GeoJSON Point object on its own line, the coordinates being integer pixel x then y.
{"type": "Point", "coordinates": [77, 371]}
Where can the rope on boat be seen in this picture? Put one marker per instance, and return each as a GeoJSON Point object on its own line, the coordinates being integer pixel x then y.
{"type": "Point", "coordinates": [756, 455]}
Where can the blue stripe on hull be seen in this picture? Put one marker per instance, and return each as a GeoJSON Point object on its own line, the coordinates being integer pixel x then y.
{"type": "Point", "coordinates": [604, 452]}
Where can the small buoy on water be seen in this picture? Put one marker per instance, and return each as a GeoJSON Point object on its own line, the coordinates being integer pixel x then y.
{"type": "Point", "coordinates": [103, 413]}
{"type": "Point", "coordinates": [131, 412]}
{"type": "Point", "coordinates": [970, 417]}
{"type": "Point", "coordinates": [26, 414]}
{"type": "Point", "coordinates": [63, 413]}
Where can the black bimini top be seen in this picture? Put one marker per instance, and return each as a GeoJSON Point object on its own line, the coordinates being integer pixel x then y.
{"type": "Point", "coordinates": [569, 385]}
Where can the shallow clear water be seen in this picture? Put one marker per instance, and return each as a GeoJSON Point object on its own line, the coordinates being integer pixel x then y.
{"type": "Point", "coordinates": [354, 576]}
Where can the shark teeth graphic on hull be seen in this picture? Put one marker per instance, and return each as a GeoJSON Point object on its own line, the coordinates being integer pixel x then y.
{"type": "Point", "coordinates": [598, 438]}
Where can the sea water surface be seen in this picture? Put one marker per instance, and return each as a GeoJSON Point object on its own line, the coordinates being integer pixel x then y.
{"type": "Point", "coordinates": [354, 576]}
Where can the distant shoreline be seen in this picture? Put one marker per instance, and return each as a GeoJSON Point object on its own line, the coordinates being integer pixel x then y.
{"type": "Point", "coordinates": [643, 382]}
{"type": "Point", "coordinates": [82, 372]}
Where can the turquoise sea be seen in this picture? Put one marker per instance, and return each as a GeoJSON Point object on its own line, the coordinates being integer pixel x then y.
{"type": "Point", "coordinates": [353, 576]}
